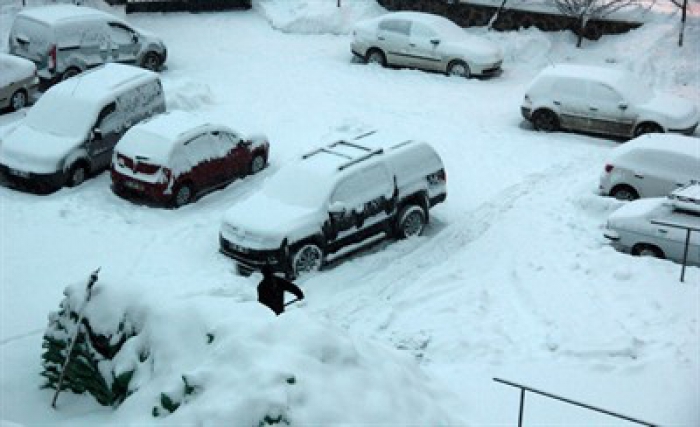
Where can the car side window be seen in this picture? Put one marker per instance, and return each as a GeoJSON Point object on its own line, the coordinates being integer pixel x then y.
{"type": "Point", "coordinates": [602, 93]}
{"type": "Point", "coordinates": [121, 34]}
{"type": "Point", "coordinates": [197, 149]}
{"type": "Point", "coordinates": [398, 26]}
{"type": "Point", "coordinates": [569, 89]}
{"type": "Point", "coordinates": [107, 119]}
{"type": "Point", "coordinates": [422, 31]}
{"type": "Point", "coordinates": [225, 141]}
{"type": "Point", "coordinates": [363, 186]}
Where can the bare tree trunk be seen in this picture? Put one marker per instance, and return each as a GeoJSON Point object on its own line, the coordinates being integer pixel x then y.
{"type": "Point", "coordinates": [581, 28]}
{"type": "Point", "coordinates": [498, 13]}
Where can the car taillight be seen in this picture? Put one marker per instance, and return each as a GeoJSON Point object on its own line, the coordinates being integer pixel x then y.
{"type": "Point", "coordinates": [52, 58]}
{"type": "Point", "coordinates": [609, 168]}
{"type": "Point", "coordinates": [439, 177]}
{"type": "Point", "coordinates": [147, 168]}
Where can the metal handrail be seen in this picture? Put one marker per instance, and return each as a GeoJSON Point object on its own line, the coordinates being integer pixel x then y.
{"type": "Point", "coordinates": [524, 388]}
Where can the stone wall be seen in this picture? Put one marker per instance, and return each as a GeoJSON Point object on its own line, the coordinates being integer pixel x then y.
{"type": "Point", "coordinates": [474, 15]}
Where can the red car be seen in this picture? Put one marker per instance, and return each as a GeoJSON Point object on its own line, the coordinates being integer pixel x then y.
{"type": "Point", "coordinates": [177, 156]}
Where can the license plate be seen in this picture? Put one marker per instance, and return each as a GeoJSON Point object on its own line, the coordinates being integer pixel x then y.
{"type": "Point", "coordinates": [133, 185]}
{"type": "Point", "coordinates": [19, 173]}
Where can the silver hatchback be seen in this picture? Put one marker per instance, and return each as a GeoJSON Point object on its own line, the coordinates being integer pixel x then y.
{"type": "Point", "coordinates": [425, 41]}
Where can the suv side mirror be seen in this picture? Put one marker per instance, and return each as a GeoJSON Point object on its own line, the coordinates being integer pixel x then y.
{"type": "Point", "coordinates": [623, 105]}
{"type": "Point", "coordinates": [96, 134]}
{"type": "Point", "coordinates": [337, 207]}
{"type": "Point", "coordinates": [435, 41]}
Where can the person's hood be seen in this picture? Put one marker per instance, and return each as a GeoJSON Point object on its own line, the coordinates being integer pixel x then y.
{"type": "Point", "coordinates": [261, 222]}
{"type": "Point", "coordinates": [679, 111]}
{"type": "Point", "coordinates": [474, 48]}
{"type": "Point", "coordinates": [30, 150]}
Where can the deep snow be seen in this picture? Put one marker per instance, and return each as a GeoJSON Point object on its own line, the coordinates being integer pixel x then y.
{"type": "Point", "coordinates": [512, 278]}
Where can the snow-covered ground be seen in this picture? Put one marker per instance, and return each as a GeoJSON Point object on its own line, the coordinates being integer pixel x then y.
{"type": "Point", "coordinates": [512, 278]}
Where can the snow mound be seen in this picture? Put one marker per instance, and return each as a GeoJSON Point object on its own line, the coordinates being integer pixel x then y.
{"type": "Point", "coordinates": [243, 365]}
{"type": "Point", "coordinates": [316, 17]}
{"type": "Point", "coordinates": [187, 95]}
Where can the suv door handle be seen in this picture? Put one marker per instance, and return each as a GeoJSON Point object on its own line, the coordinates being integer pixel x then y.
{"type": "Point", "coordinates": [557, 103]}
{"type": "Point", "coordinates": [662, 231]}
{"type": "Point", "coordinates": [639, 175]}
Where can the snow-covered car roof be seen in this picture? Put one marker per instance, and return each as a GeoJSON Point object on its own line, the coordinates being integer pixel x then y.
{"type": "Point", "coordinates": [157, 137]}
{"type": "Point", "coordinates": [14, 68]}
{"type": "Point", "coordinates": [98, 85]}
{"type": "Point", "coordinates": [54, 14]}
{"type": "Point", "coordinates": [667, 142]}
{"type": "Point", "coordinates": [611, 76]}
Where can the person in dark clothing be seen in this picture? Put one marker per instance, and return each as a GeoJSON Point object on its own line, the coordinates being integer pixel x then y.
{"type": "Point", "coordinates": [271, 290]}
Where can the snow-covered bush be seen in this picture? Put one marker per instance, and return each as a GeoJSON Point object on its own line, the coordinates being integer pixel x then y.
{"type": "Point", "coordinates": [231, 363]}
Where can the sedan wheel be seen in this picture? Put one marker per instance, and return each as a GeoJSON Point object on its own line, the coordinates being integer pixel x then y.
{"type": "Point", "coordinates": [458, 69]}
{"type": "Point", "coordinates": [647, 250]}
{"type": "Point", "coordinates": [151, 61]}
{"type": "Point", "coordinates": [257, 164]}
{"type": "Point", "coordinates": [624, 193]}
{"type": "Point", "coordinates": [77, 175]}
{"type": "Point", "coordinates": [183, 196]}
{"type": "Point", "coordinates": [375, 56]}
{"type": "Point", "coordinates": [647, 127]}
{"type": "Point", "coordinates": [19, 100]}
{"type": "Point", "coordinates": [545, 121]}
{"type": "Point", "coordinates": [307, 259]}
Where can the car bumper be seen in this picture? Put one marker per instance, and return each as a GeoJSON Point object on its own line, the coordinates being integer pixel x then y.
{"type": "Point", "coordinates": [134, 189]}
{"type": "Point", "coordinates": [490, 70]}
{"type": "Point", "coordinates": [685, 131]}
{"type": "Point", "coordinates": [30, 181]}
{"type": "Point", "coordinates": [250, 260]}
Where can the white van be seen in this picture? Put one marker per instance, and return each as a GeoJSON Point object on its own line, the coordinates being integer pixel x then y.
{"type": "Point", "coordinates": [333, 199]}
{"type": "Point", "coordinates": [71, 131]}
{"type": "Point", "coordinates": [64, 40]}
{"type": "Point", "coordinates": [651, 166]}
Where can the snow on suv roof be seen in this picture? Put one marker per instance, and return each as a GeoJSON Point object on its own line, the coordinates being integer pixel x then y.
{"type": "Point", "coordinates": [59, 13]}
{"type": "Point", "coordinates": [335, 157]}
{"type": "Point", "coordinates": [99, 84]}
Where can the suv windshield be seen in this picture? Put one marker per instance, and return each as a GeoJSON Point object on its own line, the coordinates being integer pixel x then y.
{"type": "Point", "coordinates": [299, 187]}
{"type": "Point", "coordinates": [60, 115]}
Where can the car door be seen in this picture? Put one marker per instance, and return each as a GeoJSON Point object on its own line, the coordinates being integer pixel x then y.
{"type": "Point", "coordinates": [608, 111]}
{"type": "Point", "coordinates": [104, 136]}
{"type": "Point", "coordinates": [672, 240]}
{"type": "Point", "coordinates": [570, 99]}
{"type": "Point", "coordinates": [234, 155]}
{"type": "Point", "coordinates": [124, 41]}
{"type": "Point", "coordinates": [198, 155]}
{"type": "Point", "coordinates": [424, 48]}
{"type": "Point", "coordinates": [393, 38]}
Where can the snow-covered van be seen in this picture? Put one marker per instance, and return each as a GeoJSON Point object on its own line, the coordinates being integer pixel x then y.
{"type": "Point", "coordinates": [72, 129]}
{"type": "Point", "coordinates": [604, 100]}
{"type": "Point", "coordinates": [173, 157]}
{"type": "Point", "coordinates": [64, 40]}
{"type": "Point", "coordinates": [333, 199]}
{"type": "Point", "coordinates": [651, 166]}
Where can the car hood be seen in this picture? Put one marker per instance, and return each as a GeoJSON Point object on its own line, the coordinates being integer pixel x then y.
{"type": "Point", "coordinates": [30, 150]}
{"type": "Point", "coordinates": [675, 108]}
{"type": "Point", "coordinates": [474, 48]}
{"type": "Point", "coordinates": [261, 222]}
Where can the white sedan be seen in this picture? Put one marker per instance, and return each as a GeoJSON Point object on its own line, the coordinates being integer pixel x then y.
{"type": "Point", "coordinates": [18, 82]}
{"type": "Point", "coordinates": [425, 41]}
{"type": "Point", "coordinates": [659, 226]}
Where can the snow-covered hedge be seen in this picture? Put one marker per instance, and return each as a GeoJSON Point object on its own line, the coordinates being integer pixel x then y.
{"type": "Point", "coordinates": [232, 363]}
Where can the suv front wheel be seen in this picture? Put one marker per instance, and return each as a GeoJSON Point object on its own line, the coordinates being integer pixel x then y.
{"type": "Point", "coordinates": [411, 221]}
{"type": "Point", "coordinates": [308, 258]}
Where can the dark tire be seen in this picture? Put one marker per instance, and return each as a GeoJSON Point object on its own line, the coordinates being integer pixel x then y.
{"type": "Point", "coordinates": [410, 221]}
{"type": "Point", "coordinates": [77, 174]}
{"type": "Point", "coordinates": [375, 56]}
{"type": "Point", "coordinates": [545, 120]}
{"type": "Point", "coordinates": [459, 69]}
{"type": "Point", "coordinates": [152, 61]}
{"type": "Point", "coordinates": [624, 192]}
{"type": "Point", "coordinates": [71, 72]}
{"type": "Point", "coordinates": [642, 249]}
{"type": "Point", "coordinates": [182, 195]}
{"type": "Point", "coordinates": [647, 127]}
{"type": "Point", "coordinates": [308, 258]}
{"type": "Point", "coordinates": [256, 164]}
{"type": "Point", "coordinates": [19, 100]}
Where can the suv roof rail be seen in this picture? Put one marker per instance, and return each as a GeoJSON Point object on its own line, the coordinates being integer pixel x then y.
{"type": "Point", "coordinates": [361, 158]}
{"type": "Point", "coordinates": [366, 134]}
{"type": "Point", "coordinates": [401, 144]}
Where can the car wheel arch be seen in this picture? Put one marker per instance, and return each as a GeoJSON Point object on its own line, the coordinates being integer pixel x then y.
{"type": "Point", "coordinates": [643, 248]}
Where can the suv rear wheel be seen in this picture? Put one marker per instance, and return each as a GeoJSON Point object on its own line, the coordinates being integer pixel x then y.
{"type": "Point", "coordinates": [411, 221]}
{"type": "Point", "coordinates": [308, 258]}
